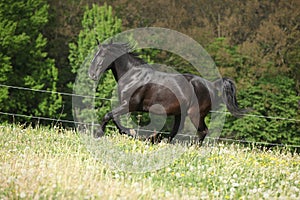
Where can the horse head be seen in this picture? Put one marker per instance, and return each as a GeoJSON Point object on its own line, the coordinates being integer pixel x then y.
{"type": "Point", "coordinates": [100, 62]}
{"type": "Point", "coordinates": [105, 57]}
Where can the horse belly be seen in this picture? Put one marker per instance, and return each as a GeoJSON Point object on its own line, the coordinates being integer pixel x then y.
{"type": "Point", "coordinates": [161, 100]}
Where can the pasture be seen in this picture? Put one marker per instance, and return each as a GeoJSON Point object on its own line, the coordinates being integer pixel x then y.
{"type": "Point", "coordinates": [44, 163]}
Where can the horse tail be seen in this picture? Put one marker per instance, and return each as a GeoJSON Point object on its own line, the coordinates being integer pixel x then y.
{"type": "Point", "coordinates": [228, 90]}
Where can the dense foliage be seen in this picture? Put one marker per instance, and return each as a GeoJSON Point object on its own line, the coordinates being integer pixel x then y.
{"type": "Point", "coordinates": [24, 61]}
{"type": "Point", "coordinates": [268, 97]}
{"type": "Point", "coordinates": [98, 23]}
{"type": "Point", "coordinates": [256, 43]}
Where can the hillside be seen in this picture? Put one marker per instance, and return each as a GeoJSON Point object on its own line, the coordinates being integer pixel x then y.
{"type": "Point", "coordinates": [56, 164]}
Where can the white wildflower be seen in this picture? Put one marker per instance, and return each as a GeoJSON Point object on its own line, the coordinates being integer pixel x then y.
{"type": "Point", "coordinates": [266, 195]}
{"type": "Point", "coordinates": [216, 193]}
{"type": "Point", "coordinates": [232, 190]}
{"type": "Point", "coordinates": [22, 195]}
{"type": "Point", "coordinates": [235, 184]}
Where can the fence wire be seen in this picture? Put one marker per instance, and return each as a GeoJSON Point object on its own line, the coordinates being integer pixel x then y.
{"type": "Point", "coordinates": [86, 96]}
{"type": "Point", "coordinates": [145, 130]}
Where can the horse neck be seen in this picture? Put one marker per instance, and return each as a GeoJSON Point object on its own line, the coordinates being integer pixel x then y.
{"type": "Point", "coordinates": [121, 66]}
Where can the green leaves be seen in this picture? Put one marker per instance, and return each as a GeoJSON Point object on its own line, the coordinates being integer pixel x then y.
{"type": "Point", "coordinates": [275, 105]}
{"type": "Point", "coordinates": [24, 61]}
{"type": "Point", "coordinates": [98, 24]}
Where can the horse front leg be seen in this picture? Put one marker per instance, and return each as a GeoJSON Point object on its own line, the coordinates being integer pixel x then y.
{"type": "Point", "coordinates": [122, 129]}
{"type": "Point", "coordinates": [107, 117]}
{"type": "Point", "coordinates": [114, 116]}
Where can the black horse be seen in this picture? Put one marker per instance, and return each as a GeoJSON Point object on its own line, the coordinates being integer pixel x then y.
{"type": "Point", "coordinates": [142, 88]}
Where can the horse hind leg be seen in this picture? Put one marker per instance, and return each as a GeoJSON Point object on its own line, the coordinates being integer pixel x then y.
{"type": "Point", "coordinates": [202, 133]}
{"type": "Point", "coordinates": [199, 123]}
{"type": "Point", "coordinates": [178, 126]}
{"type": "Point", "coordinates": [156, 137]}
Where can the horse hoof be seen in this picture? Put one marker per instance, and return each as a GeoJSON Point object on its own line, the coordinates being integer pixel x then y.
{"type": "Point", "coordinates": [99, 134]}
{"type": "Point", "coordinates": [129, 132]}
{"type": "Point", "coordinates": [132, 132]}
{"type": "Point", "coordinates": [155, 138]}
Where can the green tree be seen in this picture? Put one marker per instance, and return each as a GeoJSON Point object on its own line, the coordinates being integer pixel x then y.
{"type": "Point", "coordinates": [6, 31]}
{"type": "Point", "coordinates": [270, 97]}
{"type": "Point", "coordinates": [230, 62]}
{"type": "Point", "coordinates": [98, 23]}
{"type": "Point", "coordinates": [24, 61]}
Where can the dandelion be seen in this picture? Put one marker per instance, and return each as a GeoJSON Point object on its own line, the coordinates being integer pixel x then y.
{"type": "Point", "coordinates": [192, 168]}
{"type": "Point", "coordinates": [204, 195]}
{"type": "Point", "coordinates": [235, 184]}
{"type": "Point", "coordinates": [100, 193]}
{"type": "Point", "coordinates": [31, 163]}
{"type": "Point", "coordinates": [135, 163]}
{"type": "Point", "coordinates": [293, 196]}
{"type": "Point", "coordinates": [117, 176]}
{"type": "Point", "coordinates": [168, 194]}
{"type": "Point", "coordinates": [22, 195]}
{"type": "Point", "coordinates": [295, 189]}
{"type": "Point", "coordinates": [266, 195]}
{"type": "Point", "coordinates": [262, 182]}
{"type": "Point", "coordinates": [23, 171]}
{"type": "Point", "coordinates": [11, 179]}
{"type": "Point", "coordinates": [80, 187]}
{"type": "Point", "coordinates": [254, 190]}
{"type": "Point", "coordinates": [135, 184]}
{"type": "Point", "coordinates": [232, 190]}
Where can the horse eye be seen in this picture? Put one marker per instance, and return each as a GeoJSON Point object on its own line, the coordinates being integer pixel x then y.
{"type": "Point", "coordinates": [99, 59]}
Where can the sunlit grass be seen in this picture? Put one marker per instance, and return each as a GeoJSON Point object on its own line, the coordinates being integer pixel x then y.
{"type": "Point", "coordinates": [53, 163]}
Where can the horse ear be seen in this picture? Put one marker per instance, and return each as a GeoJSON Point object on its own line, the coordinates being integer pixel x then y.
{"type": "Point", "coordinates": [98, 42]}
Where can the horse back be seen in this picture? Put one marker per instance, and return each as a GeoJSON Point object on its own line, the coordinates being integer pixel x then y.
{"type": "Point", "coordinates": [203, 90]}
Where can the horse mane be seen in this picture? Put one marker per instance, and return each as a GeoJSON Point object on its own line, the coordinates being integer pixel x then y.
{"type": "Point", "coordinates": [128, 48]}
{"type": "Point", "coordinates": [138, 60]}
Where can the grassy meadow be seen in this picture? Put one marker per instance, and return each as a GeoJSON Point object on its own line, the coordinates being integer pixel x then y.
{"type": "Point", "coordinates": [44, 163]}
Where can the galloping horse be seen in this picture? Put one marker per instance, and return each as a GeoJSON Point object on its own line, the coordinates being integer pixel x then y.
{"type": "Point", "coordinates": [141, 88]}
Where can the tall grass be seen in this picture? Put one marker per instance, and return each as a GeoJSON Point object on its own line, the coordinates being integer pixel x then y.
{"type": "Point", "coordinates": [43, 163]}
